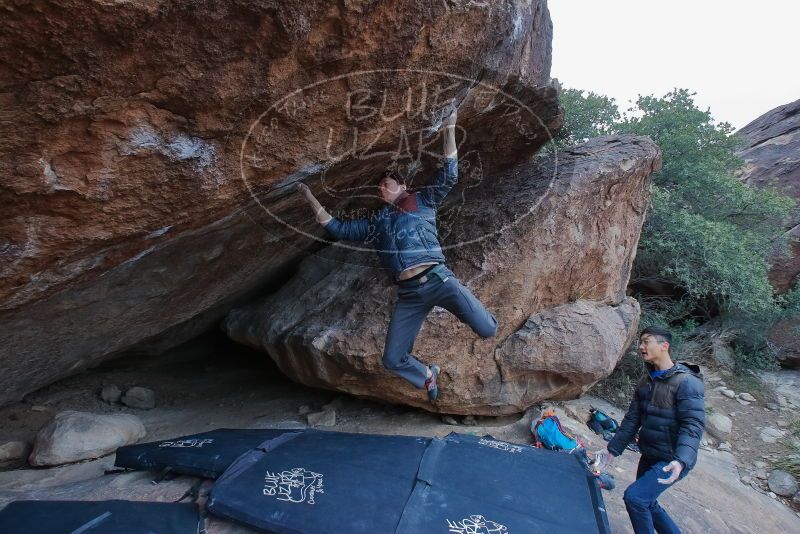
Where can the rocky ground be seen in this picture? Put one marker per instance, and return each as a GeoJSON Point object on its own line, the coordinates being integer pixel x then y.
{"type": "Point", "coordinates": [202, 387]}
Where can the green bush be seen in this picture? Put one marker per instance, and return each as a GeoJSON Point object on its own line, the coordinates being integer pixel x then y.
{"type": "Point", "coordinates": [708, 237]}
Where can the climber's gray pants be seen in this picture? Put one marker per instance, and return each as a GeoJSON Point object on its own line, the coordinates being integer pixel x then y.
{"type": "Point", "coordinates": [412, 306]}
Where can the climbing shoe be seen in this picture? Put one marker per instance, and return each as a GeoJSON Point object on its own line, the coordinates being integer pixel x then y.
{"type": "Point", "coordinates": [432, 383]}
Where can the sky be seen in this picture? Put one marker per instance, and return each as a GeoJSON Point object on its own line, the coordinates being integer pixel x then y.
{"type": "Point", "coordinates": [740, 57]}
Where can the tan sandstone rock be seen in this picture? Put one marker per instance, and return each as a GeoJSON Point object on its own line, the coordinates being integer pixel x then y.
{"type": "Point", "coordinates": [547, 249]}
{"type": "Point", "coordinates": [73, 436]}
{"type": "Point", "coordinates": [146, 179]}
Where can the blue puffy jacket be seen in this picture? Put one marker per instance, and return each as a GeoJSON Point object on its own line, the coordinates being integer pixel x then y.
{"type": "Point", "coordinates": [669, 413]}
{"type": "Point", "coordinates": [404, 233]}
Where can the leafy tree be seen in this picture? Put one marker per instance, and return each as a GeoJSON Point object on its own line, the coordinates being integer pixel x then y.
{"type": "Point", "coordinates": [708, 237]}
{"type": "Point", "coordinates": [586, 115]}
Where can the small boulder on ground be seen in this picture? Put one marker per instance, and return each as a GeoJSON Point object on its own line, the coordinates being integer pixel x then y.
{"type": "Point", "coordinates": [719, 425]}
{"type": "Point", "coordinates": [14, 450]}
{"type": "Point", "coordinates": [782, 483]}
{"type": "Point", "coordinates": [449, 420]}
{"type": "Point", "coordinates": [323, 418]}
{"type": "Point", "coordinates": [139, 397]}
{"type": "Point", "coordinates": [73, 436]}
{"type": "Point", "coordinates": [728, 393]}
{"type": "Point", "coordinates": [110, 393]}
{"type": "Point", "coordinates": [747, 397]}
{"type": "Point", "coordinates": [770, 434]}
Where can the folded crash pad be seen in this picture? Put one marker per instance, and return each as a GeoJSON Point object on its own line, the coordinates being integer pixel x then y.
{"type": "Point", "coordinates": [91, 517]}
{"type": "Point", "coordinates": [330, 482]}
{"type": "Point", "coordinates": [320, 482]}
{"type": "Point", "coordinates": [472, 484]}
{"type": "Point", "coordinates": [205, 455]}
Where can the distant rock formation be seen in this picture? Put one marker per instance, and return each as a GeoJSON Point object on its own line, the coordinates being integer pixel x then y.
{"type": "Point", "coordinates": [772, 157]}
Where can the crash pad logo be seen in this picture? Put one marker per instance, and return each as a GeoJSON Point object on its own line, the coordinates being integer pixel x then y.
{"type": "Point", "coordinates": [500, 445]}
{"type": "Point", "coordinates": [296, 485]}
{"type": "Point", "coordinates": [476, 524]}
{"type": "Point", "coordinates": [185, 443]}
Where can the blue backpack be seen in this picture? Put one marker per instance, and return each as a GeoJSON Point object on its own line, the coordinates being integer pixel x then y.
{"type": "Point", "coordinates": [601, 423]}
{"type": "Point", "coordinates": [548, 433]}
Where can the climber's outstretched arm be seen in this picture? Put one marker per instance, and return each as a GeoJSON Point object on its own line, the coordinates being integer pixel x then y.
{"type": "Point", "coordinates": [355, 230]}
{"type": "Point", "coordinates": [449, 124]}
{"type": "Point", "coordinates": [447, 176]}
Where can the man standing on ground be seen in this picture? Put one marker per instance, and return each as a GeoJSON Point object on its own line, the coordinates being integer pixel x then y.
{"type": "Point", "coordinates": [668, 412]}
{"type": "Point", "coordinates": [405, 236]}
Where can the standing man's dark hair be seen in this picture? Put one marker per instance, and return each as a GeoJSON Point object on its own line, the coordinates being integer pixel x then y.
{"type": "Point", "coordinates": [406, 238]}
{"type": "Point", "coordinates": [661, 334]}
{"type": "Point", "coordinates": [668, 413]}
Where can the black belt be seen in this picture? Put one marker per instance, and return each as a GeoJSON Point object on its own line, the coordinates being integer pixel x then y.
{"type": "Point", "coordinates": [422, 277]}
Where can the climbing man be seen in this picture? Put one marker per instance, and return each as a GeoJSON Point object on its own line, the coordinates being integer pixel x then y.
{"type": "Point", "coordinates": [668, 412]}
{"type": "Point", "coordinates": [405, 236]}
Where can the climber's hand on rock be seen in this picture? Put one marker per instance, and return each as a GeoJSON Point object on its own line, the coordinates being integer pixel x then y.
{"type": "Point", "coordinates": [450, 120]}
{"type": "Point", "coordinates": [303, 189]}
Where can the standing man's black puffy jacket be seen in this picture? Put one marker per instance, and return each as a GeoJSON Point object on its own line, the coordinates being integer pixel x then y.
{"type": "Point", "coordinates": [669, 414]}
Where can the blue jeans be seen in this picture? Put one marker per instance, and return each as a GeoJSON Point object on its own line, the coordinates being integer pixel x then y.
{"type": "Point", "coordinates": [641, 497]}
{"type": "Point", "coordinates": [411, 308]}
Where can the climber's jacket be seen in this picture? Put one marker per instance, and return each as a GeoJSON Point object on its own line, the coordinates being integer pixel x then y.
{"type": "Point", "coordinates": [404, 233]}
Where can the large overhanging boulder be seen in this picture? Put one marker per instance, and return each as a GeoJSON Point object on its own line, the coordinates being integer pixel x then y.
{"type": "Point", "coordinates": [149, 148]}
{"type": "Point", "coordinates": [546, 245]}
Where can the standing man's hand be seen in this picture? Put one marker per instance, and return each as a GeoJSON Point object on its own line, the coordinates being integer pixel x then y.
{"type": "Point", "coordinates": [674, 467]}
{"type": "Point", "coordinates": [603, 460]}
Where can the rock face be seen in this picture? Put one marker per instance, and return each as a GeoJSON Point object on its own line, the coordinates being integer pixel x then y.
{"type": "Point", "coordinates": [74, 436]}
{"type": "Point", "coordinates": [772, 156]}
{"type": "Point", "coordinates": [548, 249]}
{"type": "Point", "coordinates": [146, 179]}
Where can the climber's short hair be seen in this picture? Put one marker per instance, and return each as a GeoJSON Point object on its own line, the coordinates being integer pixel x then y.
{"type": "Point", "coordinates": [394, 175]}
